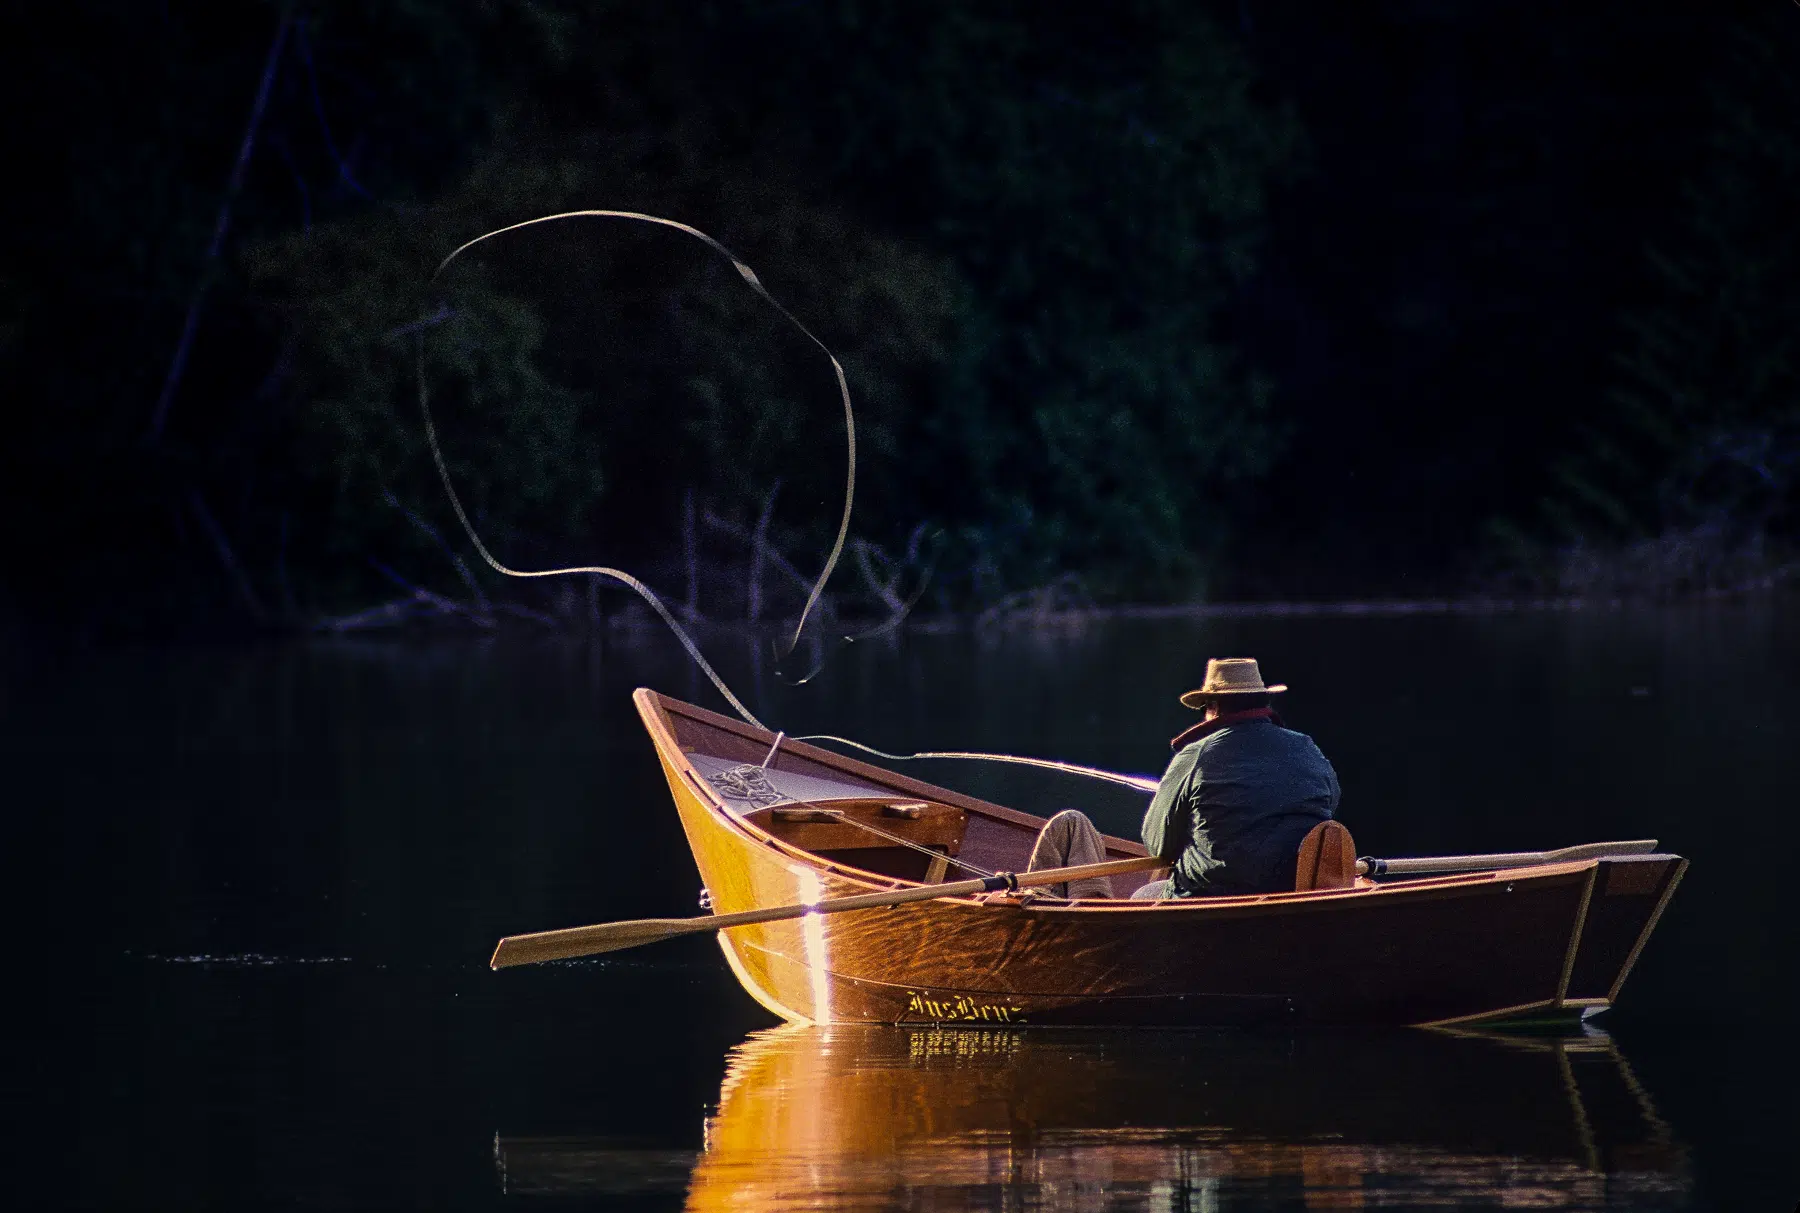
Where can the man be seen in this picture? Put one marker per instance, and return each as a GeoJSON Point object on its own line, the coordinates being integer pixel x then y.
{"type": "Point", "coordinates": [1240, 793]}
{"type": "Point", "coordinates": [1229, 813]}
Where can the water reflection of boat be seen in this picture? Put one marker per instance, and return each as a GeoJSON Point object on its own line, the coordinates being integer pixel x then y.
{"type": "Point", "coordinates": [1550, 939]}
{"type": "Point", "coordinates": [936, 1118]}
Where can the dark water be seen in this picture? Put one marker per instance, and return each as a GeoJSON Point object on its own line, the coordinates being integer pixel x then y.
{"type": "Point", "coordinates": [262, 885]}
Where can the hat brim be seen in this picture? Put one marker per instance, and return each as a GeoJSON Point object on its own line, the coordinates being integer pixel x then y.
{"type": "Point", "coordinates": [1197, 699]}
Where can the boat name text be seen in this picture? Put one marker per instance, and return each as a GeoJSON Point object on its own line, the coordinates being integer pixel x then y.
{"type": "Point", "coordinates": [961, 1008]}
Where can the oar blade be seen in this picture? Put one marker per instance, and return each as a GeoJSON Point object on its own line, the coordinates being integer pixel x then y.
{"type": "Point", "coordinates": [1605, 850]}
{"type": "Point", "coordinates": [1421, 865]}
{"type": "Point", "coordinates": [590, 941]}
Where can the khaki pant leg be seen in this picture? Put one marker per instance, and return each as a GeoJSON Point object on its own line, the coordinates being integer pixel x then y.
{"type": "Point", "coordinates": [1068, 840]}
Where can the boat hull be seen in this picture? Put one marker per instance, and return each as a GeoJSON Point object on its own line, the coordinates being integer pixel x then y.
{"type": "Point", "coordinates": [1554, 939]}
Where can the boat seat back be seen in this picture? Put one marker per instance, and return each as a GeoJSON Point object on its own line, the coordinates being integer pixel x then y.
{"type": "Point", "coordinates": [1327, 859]}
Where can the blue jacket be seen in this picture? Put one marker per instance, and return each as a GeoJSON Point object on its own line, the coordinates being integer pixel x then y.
{"type": "Point", "coordinates": [1234, 804]}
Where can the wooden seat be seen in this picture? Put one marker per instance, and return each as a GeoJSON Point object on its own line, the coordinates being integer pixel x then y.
{"type": "Point", "coordinates": [1327, 859]}
{"type": "Point", "coordinates": [830, 830]}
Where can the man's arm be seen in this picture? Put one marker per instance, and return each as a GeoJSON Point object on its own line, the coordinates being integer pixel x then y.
{"type": "Point", "coordinates": [1333, 792]}
{"type": "Point", "coordinates": [1165, 822]}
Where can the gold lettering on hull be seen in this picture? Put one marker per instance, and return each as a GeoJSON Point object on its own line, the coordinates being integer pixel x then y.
{"type": "Point", "coordinates": [961, 1009]}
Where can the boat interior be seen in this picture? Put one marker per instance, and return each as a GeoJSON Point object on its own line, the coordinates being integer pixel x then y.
{"type": "Point", "coordinates": [853, 815]}
{"type": "Point", "coordinates": [877, 823]}
{"type": "Point", "coordinates": [846, 819]}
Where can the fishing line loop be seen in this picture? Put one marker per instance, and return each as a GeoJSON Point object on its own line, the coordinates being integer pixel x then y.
{"type": "Point", "coordinates": [418, 329]}
{"type": "Point", "coordinates": [755, 283]}
{"type": "Point", "coordinates": [1141, 783]}
{"type": "Point", "coordinates": [644, 591]}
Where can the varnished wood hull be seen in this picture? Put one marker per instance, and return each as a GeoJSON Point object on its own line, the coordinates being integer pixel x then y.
{"type": "Point", "coordinates": [1548, 940]}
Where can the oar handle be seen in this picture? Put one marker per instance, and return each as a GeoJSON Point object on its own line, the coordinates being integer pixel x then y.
{"type": "Point", "coordinates": [1110, 867]}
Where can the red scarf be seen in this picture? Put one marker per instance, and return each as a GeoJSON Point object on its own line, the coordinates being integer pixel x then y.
{"type": "Point", "coordinates": [1208, 727]}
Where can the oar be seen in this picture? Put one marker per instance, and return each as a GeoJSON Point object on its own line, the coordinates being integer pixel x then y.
{"type": "Point", "coordinates": [612, 936]}
{"type": "Point", "coordinates": [1516, 859]}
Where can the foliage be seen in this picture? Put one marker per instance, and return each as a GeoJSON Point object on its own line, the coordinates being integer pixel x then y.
{"type": "Point", "coordinates": [1049, 243]}
{"type": "Point", "coordinates": [353, 297]}
{"type": "Point", "coordinates": [1099, 176]}
{"type": "Point", "coordinates": [1036, 369]}
{"type": "Point", "coordinates": [1016, 227]}
{"type": "Point", "coordinates": [139, 113]}
{"type": "Point", "coordinates": [590, 371]}
{"type": "Point", "coordinates": [1703, 439]}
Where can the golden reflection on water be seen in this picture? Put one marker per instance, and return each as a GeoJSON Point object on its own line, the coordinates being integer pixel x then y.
{"type": "Point", "coordinates": [999, 1118]}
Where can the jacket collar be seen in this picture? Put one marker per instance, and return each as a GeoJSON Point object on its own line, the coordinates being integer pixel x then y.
{"type": "Point", "coordinates": [1207, 728]}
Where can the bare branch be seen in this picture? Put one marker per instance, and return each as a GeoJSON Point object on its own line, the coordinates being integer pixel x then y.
{"type": "Point", "coordinates": [159, 415]}
{"type": "Point", "coordinates": [385, 615]}
{"type": "Point", "coordinates": [690, 552]}
{"type": "Point", "coordinates": [525, 612]}
{"type": "Point", "coordinates": [312, 79]}
{"type": "Point", "coordinates": [866, 553]}
{"type": "Point", "coordinates": [444, 606]}
{"type": "Point", "coordinates": [770, 553]}
{"type": "Point", "coordinates": [759, 546]}
{"type": "Point", "coordinates": [227, 557]}
{"type": "Point", "coordinates": [462, 568]}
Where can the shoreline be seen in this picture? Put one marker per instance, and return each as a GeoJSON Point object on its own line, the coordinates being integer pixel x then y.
{"type": "Point", "coordinates": [631, 619]}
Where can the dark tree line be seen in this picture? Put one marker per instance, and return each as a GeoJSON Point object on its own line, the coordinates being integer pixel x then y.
{"type": "Point", "coordinates": [1693, 464]}
{"type": "Point", "coordinates": [1184, 300]}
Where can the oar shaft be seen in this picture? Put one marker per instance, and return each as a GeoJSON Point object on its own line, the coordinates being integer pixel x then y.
{"type": "Point", "coordinates": [1110, 867]}
{"type": "Point", "coordinates": [612, 936]}
{"type": "Point", "coordinates": [1511, 859]}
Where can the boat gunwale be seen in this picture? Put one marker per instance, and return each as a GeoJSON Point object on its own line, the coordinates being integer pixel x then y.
{"type": "Point", "coordinates": [1421, 888]}
{"type": "Point", "coordinates": [899, 783]}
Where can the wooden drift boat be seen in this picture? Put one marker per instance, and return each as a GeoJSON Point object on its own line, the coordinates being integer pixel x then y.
{"type": "Point", "coordinates": [778, 828]}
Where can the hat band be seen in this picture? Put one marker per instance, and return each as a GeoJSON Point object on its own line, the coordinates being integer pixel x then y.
{"type": "Point", "coordinates": [1193, 698]}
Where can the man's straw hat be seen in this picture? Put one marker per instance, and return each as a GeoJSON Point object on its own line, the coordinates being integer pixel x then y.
{"type": "Point", "coordinates": [1230, 676]}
